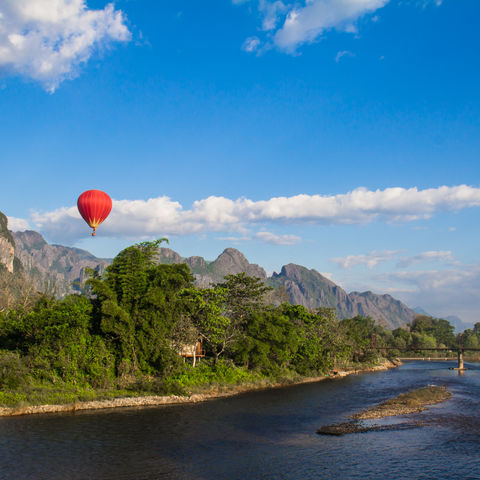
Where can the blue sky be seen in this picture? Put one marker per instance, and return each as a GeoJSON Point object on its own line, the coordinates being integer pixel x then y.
{"type": "Point", "coordinates": [342, 135]}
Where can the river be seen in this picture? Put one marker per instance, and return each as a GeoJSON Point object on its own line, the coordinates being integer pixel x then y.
{"type": "Point", "coordinates": [268, 434]}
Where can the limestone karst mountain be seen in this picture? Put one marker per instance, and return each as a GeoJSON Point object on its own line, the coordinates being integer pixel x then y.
{"type": "Point", "coordinates": [7, 245]}
{"type": "Point", "coordinates": [53, 269]}
{"type": "Point", "coordinates": [301, 285]}
{"type": "Point", "coordinates": [230, 261]}
{"type": "Point", "coordinates": [12, 278]}
{"type": "Point", "coordinates": [56, 269]}
{"type": "Point", "coordinates": [312, 290]}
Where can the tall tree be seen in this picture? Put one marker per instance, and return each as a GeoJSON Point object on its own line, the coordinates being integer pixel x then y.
{"type": "Point", "coordinates": [206, 309]}
{"type": "Point", "coordinates": [243, 295]}
{"type": "Point", "coordinates": [269, 343]}
{"type": "Point", "coordinates": [138, 305]}
{"type": "Point", "coordinates": [438, 328]}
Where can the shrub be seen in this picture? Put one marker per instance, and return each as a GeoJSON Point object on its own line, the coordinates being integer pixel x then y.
{"type": "Point", "coordinates": [13, 372]}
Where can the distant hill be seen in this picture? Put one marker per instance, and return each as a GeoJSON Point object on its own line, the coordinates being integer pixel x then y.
{"type": "Point", "coordinates": [300, 286]}
{"type": "Point", "coordinates": [312, 290]}
{"type": "Point", "coordinates": [229, 262]}
{"type": "Point", "coordinates": [53, 268]}
{"type": "Point", "coordinates": [457, 322]}
{"type": "Point", "coordinates": [56, 268]}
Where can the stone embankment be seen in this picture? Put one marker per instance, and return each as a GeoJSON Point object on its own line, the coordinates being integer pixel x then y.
{"type": "Point", "coordinates": [209, 393]}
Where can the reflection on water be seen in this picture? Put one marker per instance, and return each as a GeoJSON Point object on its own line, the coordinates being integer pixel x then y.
{"type": "Point", "coordinates": [259, 435]}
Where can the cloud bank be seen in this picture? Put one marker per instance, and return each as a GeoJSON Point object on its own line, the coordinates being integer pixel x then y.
{"type": "Point", "coordinates": [307, 23]}
{"type": "Point", "coordinates": [164, 216]}
{"type": "Point", "coordinates": [265, 237]}
{"type": "Point", "coordinates": [452, 291]}
{"type": "Point", "coordinates": [371, 259]}
{"type": "Point", "coordinates": [48, 40]}
{"type": "Point", "coordinates": [272, 238]}
{"type": "Point", "coordinates": [17, 224]}
{"type": "Point", "coordinates": [343, 53]}
{"type": "Point", "coordinates": [288, 24]}
{"type": "Point", "coordinates": [375, 258]}
{"type": "Point", "coordinates": [431, 256]}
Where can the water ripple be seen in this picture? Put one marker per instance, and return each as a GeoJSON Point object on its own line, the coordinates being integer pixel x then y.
{"type": "Point", "coordinates": [266, 435]}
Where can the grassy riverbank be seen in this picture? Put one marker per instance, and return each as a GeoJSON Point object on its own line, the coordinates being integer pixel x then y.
{"type": "Point", "coordinates": [190, 389]}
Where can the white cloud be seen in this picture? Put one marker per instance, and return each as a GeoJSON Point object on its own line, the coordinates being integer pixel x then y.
{"type": "Point", "coordinates": [426, 3]}
{"type": "Point", "coordinates": [265, 237]}
{"type": "Point", "coordinates": [289, 24]}
{"type": "Point", "coordinates": [48, 40]}
{"type": "Point", "coordinates": [251, 44]}
{"type": "Point", "coordinates": [371, 259]}
{"type": "Point", "coordinates": [451, 291]}
{"type": "Point", "coordinates": [271, 11]}
{"type": "Point", "coordinates": [18, 224]}
{"type": "Point", "coordinates": [269, 237]}
{"type": "Point", "coordinates": [235, 239]}
{"type": "Point", "coordinates": [305, 24]}
{"type": "Point", "coordinates": [431, 256]}
{"type": "Point", "coordinates": [343, 53]}
{"type": "Point", "coordinates": [163, 216]}
{"type": "Point", "coordinates": [375, 258]}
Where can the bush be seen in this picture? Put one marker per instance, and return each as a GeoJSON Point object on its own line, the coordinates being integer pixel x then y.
{"type": "Point", "coordinates": [13, 372]}
{"type": "Point", "coordinates": [223, 372]}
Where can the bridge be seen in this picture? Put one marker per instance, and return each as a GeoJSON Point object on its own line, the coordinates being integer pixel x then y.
{"type": "Point", "coordinates": [460, 349]}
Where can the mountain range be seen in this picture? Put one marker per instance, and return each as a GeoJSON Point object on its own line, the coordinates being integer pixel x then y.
{"type": "Point", "coordinates": [298, 285]}
{"type": "Point", "coordinates": [59, 270]}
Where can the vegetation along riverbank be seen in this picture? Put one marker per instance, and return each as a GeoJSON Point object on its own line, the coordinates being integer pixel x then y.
{"type": "Point", "coordinates": [142, 332]}
{"type": "Point", "coordinates": [203, 393]}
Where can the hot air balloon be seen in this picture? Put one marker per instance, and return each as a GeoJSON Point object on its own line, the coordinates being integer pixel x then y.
{"type": "Point", "coordinates": [94, 206]}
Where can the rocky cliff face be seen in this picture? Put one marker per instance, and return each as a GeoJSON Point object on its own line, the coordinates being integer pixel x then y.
{"type": "Point", "coordinates": [13, 284]}
{"type": "Point", "coordinates": [312, 290]}
{"type": "Point", "coordinates": [229, 262]}
{"type": "Point", "coordinates": [53, 268]}
{"type": "Point", "coordinates": [388, 311]}
{"type": "Point", "coordinates": [308, 287]}
{"type": "Point", "coordinates": [7, 246]}
{"type": "Point", "coordinates": [302, 286]}
{"type": "Point", "coordinates": [168, 256]}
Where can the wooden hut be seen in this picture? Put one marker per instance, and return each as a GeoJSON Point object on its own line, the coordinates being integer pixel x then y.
{"type": "Point", "coordinates": [193, 351]}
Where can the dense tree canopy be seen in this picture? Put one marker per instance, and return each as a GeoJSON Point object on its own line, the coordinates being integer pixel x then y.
{"type": "Point", "coordinates": [129, 326]}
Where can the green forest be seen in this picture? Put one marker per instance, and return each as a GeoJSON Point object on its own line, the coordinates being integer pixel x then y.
{"type": "Point", "coordinates": [124, 335]}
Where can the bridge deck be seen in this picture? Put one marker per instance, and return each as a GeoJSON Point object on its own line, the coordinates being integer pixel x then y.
{"type": "Point", "coordinates": [437, 349]}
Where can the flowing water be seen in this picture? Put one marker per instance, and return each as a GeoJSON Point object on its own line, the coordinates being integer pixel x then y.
{"type": "Point", "coordinates": [267, 434]}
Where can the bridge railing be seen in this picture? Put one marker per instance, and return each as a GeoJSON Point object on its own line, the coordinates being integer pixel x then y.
{"type": "Point", "coordinates": [459, 349]}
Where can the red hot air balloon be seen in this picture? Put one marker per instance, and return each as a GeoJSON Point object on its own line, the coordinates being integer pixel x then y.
{"type": "Point", "coordinates": [94, 206]}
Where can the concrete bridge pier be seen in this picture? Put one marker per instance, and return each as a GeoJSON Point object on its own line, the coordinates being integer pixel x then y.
{"type": "Point", "coordinates": [460, 359]}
